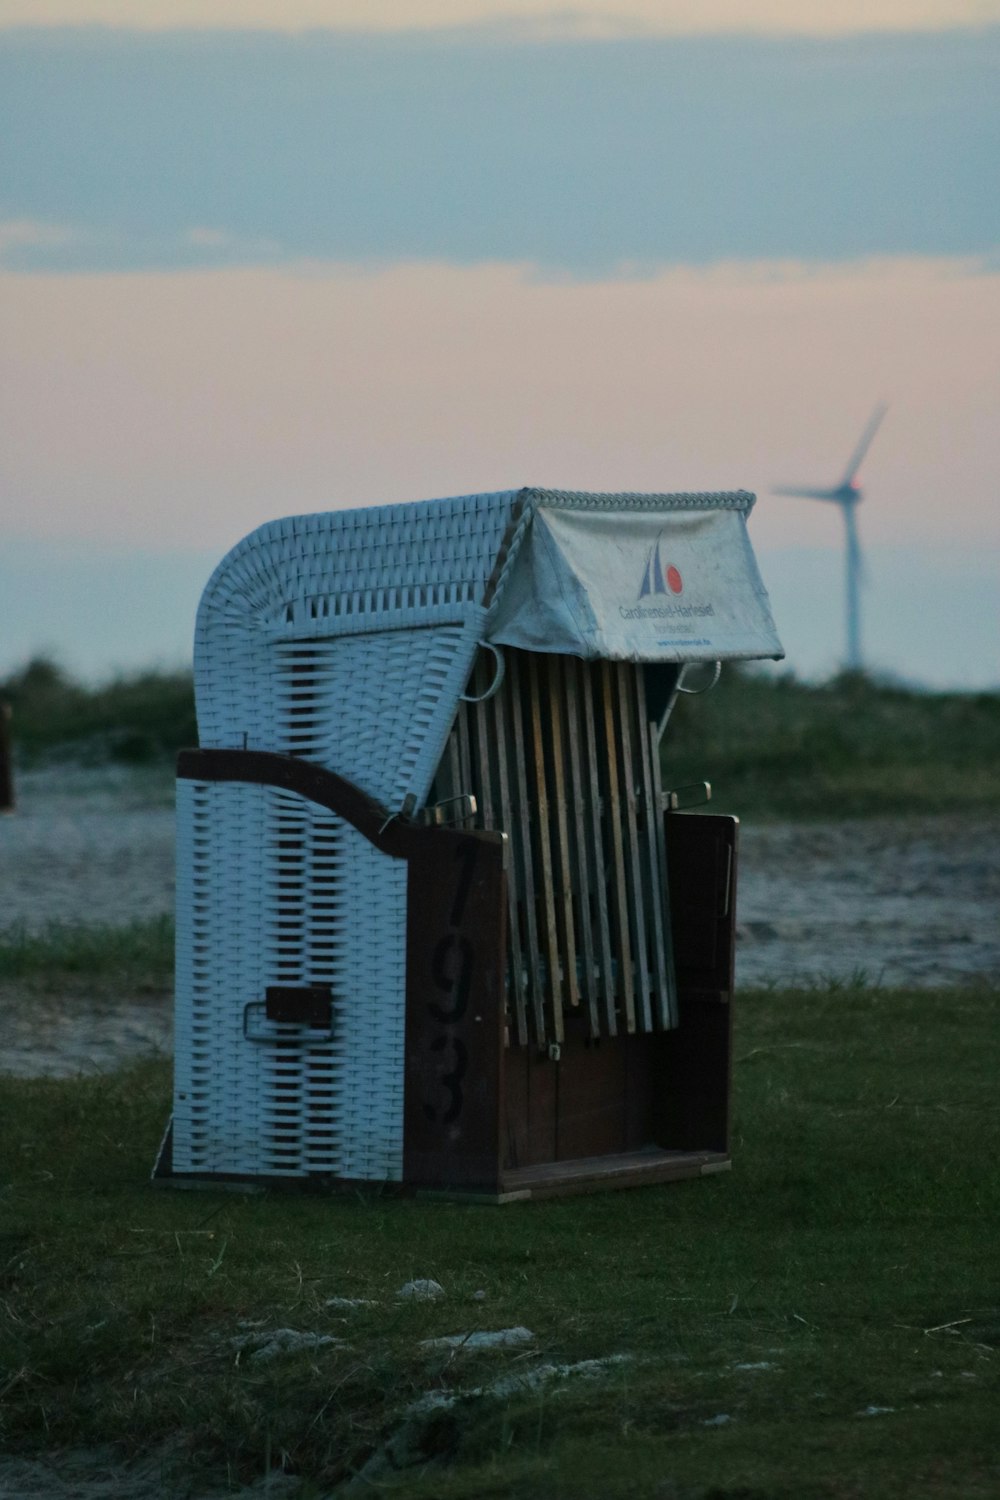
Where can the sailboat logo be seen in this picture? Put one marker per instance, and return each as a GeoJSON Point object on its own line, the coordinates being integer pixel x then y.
{"type": "Point", "coordinates": [656, 580]}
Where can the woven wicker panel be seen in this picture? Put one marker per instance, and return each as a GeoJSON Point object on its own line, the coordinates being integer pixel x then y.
{"type": "Point", "coordinates": [337, 573]}
{"type": "Point", "coordinates": [374, 708]}
{"type": "Point", "coordinates": [273, 890]}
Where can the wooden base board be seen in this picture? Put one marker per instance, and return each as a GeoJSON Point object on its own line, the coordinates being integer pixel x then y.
{"type": "Point", "coordinates": [593, 1174]}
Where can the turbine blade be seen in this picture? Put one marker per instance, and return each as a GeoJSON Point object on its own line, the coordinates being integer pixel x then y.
{"type": "Point", "coordinates": [802, 492]}
{"type": "Point", "coordinates": [854, 463]}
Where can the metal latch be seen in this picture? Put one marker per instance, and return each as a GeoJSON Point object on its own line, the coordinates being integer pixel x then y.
{"type": "Point", "coordinates": [687, 796]}
{"type": "Point", "coordinates": [452, 810]}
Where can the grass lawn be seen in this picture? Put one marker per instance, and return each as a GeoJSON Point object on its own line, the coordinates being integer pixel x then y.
{"type": "Point", "coordinates": [822, 1322]}
{"type": "Point", "coordinates": [132, 959]}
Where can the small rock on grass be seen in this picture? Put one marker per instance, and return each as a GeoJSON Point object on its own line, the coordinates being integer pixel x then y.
{"type": "Point", "coordinates": [502, 1338]}
{"type": "Point", "coordinates": [422, 1290]}
{"type": "Point", "coordinates": [282, 1341]}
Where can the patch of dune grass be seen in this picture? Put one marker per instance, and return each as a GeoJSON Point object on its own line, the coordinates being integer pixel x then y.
{"type": "Point", "coordinates": [853, 747]}
{"type": "Point", "coordinates": [135, 956]}
{"type": "Point", "coordinates": [822, 1322]}
{"type": "Point", "coordinates": [141, 718]}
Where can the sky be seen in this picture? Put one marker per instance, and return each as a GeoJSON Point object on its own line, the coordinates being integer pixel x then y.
{"type": "Point", "coordinates": [261, 258]}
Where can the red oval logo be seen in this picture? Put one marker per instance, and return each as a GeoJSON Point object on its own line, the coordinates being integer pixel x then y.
{"type": "Point", "coordinates": [674, 581]}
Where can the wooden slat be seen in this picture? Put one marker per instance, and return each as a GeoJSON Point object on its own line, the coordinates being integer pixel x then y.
{"type": "Point", "coordinates": [484, 756]}
{"type": "Point", "coordinates": [591, 889]}
{"type": "Point", "coordinates": [598, 1173]}
{"type": "Point", "coordinates": [523, 818]}
{"type": "Point", "coordinates": [465, 764]}
{"type": "Point", "coordinates": [654, 881]}
{"type": "Point", "coordinates": [453, 775]}
{"type": "Point", "coordinates": [498, 711]}
{"type": "Point", "coordinates": [543, 838]}
{"type": "Point", "coordinates": [564, 869]}
{"type": "Point", "coordinates": [624, 677]}
{"type": "Point", "coordinates": [607, 986]}
{"type": "Point", "coordinates": [615, 823]}
{"type": "Point", "coordinates": [661, 849]}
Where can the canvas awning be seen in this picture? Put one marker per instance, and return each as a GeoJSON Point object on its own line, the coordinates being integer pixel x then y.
{"type": "Point", "coordinates": [668, 585]}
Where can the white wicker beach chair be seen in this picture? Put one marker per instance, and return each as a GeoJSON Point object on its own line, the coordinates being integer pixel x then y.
{"type": "Point", "coordinates": [423, 927]}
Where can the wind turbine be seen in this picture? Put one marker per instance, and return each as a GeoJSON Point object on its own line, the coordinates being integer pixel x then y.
{"type": "Point", "coordinates": [847, 494]}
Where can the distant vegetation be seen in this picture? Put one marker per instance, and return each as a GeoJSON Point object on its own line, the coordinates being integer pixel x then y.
{"type": "Point", "coordinates": [771, 747]}
{"type": "Point", "coordinates": [140, 719]}
{"type": "Point", "coordinates": [775, 747]}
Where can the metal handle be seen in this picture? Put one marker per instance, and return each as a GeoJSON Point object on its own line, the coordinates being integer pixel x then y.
{"type": "Point", "coordinates": [497, 676]}
{"type": "Point", "coordinates": [309, 1006]}
{"type": "Point", "coordinates": [695, 692]}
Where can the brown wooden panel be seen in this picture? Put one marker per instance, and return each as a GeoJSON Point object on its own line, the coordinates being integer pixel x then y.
{"type": "Point", "coordinates": [702, 854]}
{"type": "Point", "coordinates": [693, 1111]}
{"type": "Point", "coordinates": [646, 1086]}
{"type": "Point", "coordinates": [702, 862]}
{"type": "Point", "coordinates": [598, 1096]}
{"type": "Point", "coordinates": [591, 1090]}
{"type": "Point", "coordinates": [455, 964]}
{"type": "Point", "coordinates": [529, 1131]}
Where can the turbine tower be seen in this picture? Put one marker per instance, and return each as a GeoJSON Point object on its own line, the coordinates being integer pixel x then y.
{"type": "Point", "coordinates": [847, 494]}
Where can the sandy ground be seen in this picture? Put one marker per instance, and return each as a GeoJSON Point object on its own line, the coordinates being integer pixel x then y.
{"type": "Point", "coordinates": [894, 901]}
{"type": "Point", "coordinates": [87, 846]}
